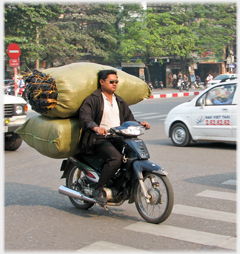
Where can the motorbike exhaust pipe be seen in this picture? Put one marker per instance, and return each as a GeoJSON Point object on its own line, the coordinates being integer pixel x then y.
{"type": "Point", "coordinates": [74, 194]}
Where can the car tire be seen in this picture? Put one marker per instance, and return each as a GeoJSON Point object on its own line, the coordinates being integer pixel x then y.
{"type": "Point", "coordinates": [12, 142]}
{"type": "Point", "coordinates": [180, 135]}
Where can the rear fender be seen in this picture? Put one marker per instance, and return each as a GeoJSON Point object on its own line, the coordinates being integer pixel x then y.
{"type": "Point", "coordinates": [66, 165]}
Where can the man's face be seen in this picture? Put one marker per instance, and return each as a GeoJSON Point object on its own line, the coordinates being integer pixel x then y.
{"type": "Point", "coordinates": [109, 85]}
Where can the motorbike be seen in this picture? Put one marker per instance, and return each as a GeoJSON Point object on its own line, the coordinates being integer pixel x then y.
{"type": "Point", "coordinates": [161, 84]}
{"type": "Point", "coordinates": [158, 84]}
{"type": "Point", "coordinates": [196, 84]}
{"type": "Point", "coordinates": [151, 86]}
{"type": "Point", "coordinates": [139, 180]}
{"type": "Point", "coordinates": [21, 90]}
{"type": "Point", "coordinates": [182, 85]}
{"type": "Point", "coordinates": [10, 89]}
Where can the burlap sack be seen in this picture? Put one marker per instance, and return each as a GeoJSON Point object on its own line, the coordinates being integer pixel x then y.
{"type": "Point", "coordinates": [55, 138]}
{"type": "Point", "coordinates": [74, 82]}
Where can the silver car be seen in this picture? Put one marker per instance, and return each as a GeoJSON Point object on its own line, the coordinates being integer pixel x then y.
{"type": "Point", "coordinates": [222, 78]}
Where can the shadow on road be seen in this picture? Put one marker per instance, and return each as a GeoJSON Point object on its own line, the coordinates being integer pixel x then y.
{"type": "Point", "coordinates": [18, 194]}
{"type": "Point", "coordinates": [214, 180]}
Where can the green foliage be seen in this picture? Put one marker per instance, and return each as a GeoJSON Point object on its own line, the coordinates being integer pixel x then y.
{"type": "Point", "coordinates": [113, 33]}
{"type": "Point", "coordinates": [23, 23]}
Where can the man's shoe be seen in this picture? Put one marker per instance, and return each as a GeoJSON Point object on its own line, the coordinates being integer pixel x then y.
{"type": "Point", "coordinates": [100, 196]}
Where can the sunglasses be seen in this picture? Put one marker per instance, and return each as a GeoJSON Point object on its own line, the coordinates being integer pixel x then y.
{"type": "Point", "coordinates": [112, 81]}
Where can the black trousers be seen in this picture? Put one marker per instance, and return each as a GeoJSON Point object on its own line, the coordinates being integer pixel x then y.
{"type": "Point", "coordinates": [112, 157]}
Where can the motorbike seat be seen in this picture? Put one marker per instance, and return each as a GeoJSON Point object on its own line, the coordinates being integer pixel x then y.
{"type": "Point", "coordinates": [91, 160]}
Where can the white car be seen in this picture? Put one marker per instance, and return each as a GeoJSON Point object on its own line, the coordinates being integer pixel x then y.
{"type": "Point", "coordinates": [210, 116]}
{"type": "Point", "coordinates": [15, 112]}
{"type": "Point", "coordinates": [222, 78]}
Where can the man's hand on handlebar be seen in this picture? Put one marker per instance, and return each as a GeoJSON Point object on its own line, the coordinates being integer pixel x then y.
{"type": "Point", "coordinates": [100, 130]}
{"type": "Point", "coordinates": [146, 124]}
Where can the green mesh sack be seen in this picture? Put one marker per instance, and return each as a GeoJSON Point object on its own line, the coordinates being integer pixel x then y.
{"type": "Point", "coordinates": [55, 138]}
{"type": "Point", "coordinates": [60, 91]}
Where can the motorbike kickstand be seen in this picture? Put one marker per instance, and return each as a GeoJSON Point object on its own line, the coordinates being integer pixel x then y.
{"type": "Point", "coordinates": [105, 207]}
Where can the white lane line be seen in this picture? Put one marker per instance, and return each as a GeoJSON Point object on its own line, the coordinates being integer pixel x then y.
{"type": "Point", "coordinates": [144, 114]}
{"type": "Point", "coordinates": [205, 213]}
{"type": "Point", "coordinates": [102, 246]}
{"type": "Point", "coordinates": [187, 235]}
{"type": "Point", "coordinates": [218, 194]}
{"type": "Point", "coordinates": [230, 182]}
{"type": "Point", "coordinates": [157, 116]}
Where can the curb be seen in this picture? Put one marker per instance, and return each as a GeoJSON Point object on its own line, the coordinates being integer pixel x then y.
{"type": "Point", "coordinates": [171, 95]}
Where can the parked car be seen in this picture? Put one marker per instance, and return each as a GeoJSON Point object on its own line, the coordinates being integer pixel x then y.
{"type": "Point", "coordinates": [222, 78]}
{"type": "Point", "coordinates": [15, 112]}
{"type": "Point", "coordinates": [210, 116]}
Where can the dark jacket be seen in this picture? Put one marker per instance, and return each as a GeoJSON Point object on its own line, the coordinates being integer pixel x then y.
{"type": "Point", "coordinates": [90, 115]}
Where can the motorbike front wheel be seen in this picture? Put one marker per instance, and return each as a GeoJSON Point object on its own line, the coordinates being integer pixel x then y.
{"type": "Point", "coordinates": [73, 180]}
{"type": "Point", "coordinates": [160, 204]}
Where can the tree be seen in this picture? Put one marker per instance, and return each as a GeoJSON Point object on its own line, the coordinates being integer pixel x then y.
{"type": "Point", "coordinates": [141, 37]}
{"type": "Point", "coordinates": [217, 30]}
{"type": "Point", "coordinates": [23, 23]}
{"type": "Point", "coordinates": [183, 31]}
{"type": "Point", "coordinates": [89, 31]}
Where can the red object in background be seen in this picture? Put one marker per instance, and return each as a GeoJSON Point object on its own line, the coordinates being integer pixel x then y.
{"type": "Point", "coordinates": [14, 62]}
{"type": "Point", "coordinates": [14, 51]}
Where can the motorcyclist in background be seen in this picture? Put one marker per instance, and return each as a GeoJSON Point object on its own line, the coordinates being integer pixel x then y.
{"type": "Point", "coordinates": [198, 79]}
{"type": "Point", "coordinates": [185, 79]}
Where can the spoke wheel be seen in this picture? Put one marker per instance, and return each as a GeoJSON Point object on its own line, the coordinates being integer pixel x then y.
{"type": "Point", "coordinates": [74, 179]}
{"type": "Point", "coordinates": [161, 202]}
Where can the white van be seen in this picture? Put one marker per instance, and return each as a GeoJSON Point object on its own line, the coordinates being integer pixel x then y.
{"type": "Point", "coordinates": [210, 116]}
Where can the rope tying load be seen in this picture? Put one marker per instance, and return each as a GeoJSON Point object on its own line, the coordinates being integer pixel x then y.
{"type": "Point", "coordinates": [41, 91]}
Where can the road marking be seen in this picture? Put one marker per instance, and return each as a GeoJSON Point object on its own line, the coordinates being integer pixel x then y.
{"type": "Point", "coordinates": [144, 114]}
{"type": "Point", "coordinates": [230, 182]}
{"type": "Point", "coordinates": [187, 235]}
{"type": "Point", "coordinates": [204, 213]}
{"type": "Point", "coordinates": [218, 194]}
{"type": "Point", "coordinates": [157, 116]}
{"type": "Point", "coordinates": [101, 246]}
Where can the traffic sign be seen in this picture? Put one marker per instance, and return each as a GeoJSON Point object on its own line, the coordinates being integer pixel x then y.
{"type": "Point", "coordinates": [14, 51]}
{"type": "Point", "coordinates": [232, 66]}
{"type": "Point", "coordinates": [14, 62]}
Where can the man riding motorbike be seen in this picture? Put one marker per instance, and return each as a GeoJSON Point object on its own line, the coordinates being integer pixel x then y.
{"type": "Point", "coordinates": [100, 111]}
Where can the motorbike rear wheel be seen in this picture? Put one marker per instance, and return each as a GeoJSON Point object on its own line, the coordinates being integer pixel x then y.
{"type": "Point", "coordinates": [161, 201]}
{"type": "Point", "coordinates": [73, 180]}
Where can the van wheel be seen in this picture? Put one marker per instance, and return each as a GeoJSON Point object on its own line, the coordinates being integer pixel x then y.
{"type": "Point", "coordinates": [12, 142]}
{"type": "Point", "coordinates": [180, 135]}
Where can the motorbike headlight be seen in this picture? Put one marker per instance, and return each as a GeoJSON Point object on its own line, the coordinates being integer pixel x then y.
{"type": "Point", "coordinates": [133, 130]}
{"type": "Point", "coordinates": [19, 110]}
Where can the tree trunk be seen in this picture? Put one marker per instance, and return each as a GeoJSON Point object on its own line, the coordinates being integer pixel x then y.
{"type": "Point", "coordinates": [37, 41]}
{"type": "Point", "coordinates": [148, 74]}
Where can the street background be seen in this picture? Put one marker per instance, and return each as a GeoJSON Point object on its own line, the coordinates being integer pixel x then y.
{"type": "Point", "coordinates": [203, 176]}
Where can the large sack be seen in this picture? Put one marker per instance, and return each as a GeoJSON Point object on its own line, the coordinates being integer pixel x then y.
{"type": "Point", "coordinates": [69, 85]}
{"type": "Point", "coordinates": [55, 138]}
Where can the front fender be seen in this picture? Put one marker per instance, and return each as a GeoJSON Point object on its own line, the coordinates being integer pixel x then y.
{"type": "Point", "coordinates": [141, 166]}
